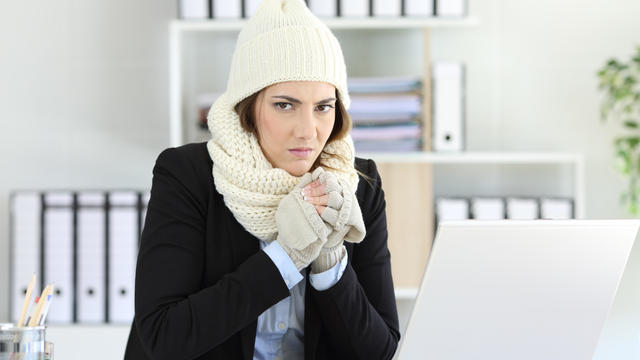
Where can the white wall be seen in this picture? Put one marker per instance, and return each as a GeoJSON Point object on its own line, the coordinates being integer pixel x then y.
{"type": "Point", "coordinates": [83, 100]}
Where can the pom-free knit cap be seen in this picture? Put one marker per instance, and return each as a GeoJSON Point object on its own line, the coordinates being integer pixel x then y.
{"type": "Point", "coordinates": [284, 41]}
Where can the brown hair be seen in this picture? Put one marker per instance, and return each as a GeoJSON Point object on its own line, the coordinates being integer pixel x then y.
{"type": "Point", "coordinates": [341, 126]}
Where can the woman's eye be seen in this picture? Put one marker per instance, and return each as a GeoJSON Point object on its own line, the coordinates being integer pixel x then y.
{"type": "Point", "coordinates": [326, 108]}
{"type": "Point", "coordinates": [283, 106]}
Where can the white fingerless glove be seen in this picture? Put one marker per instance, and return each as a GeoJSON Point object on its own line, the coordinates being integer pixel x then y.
{"type": "Point", "coordinates": [301, 231]}
{"type": "Point", "coordinates": [343, 215]}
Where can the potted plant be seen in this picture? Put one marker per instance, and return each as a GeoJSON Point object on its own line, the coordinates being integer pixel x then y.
{"type": "Point", "coordinates": [620, 82]}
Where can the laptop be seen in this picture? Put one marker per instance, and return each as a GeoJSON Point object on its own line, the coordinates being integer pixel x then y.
{"type": "Point", "coordinates": [510, 289]}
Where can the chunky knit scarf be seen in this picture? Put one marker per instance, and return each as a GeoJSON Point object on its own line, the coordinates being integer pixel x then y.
{"type": "Point", "coordinates": [251, 187]}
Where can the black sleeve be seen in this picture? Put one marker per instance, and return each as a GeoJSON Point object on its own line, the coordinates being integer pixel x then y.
{"type": "Point", "coordinates": [176, 316]}
{"type": "Point", "coordinates": [359, 311]}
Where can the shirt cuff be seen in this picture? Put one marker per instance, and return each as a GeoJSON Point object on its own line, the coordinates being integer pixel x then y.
{"type": "Point", "coordinates": [326, 279]}
{"type": "Point", "coordinates": [285, 265]}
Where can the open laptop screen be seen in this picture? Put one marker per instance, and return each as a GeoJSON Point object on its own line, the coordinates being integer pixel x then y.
{"type": "Point", "coordinates": [509, 289]}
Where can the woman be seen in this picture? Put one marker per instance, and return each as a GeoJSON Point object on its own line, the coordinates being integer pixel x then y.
{"type": "Point", "coordinates": [269, 241]}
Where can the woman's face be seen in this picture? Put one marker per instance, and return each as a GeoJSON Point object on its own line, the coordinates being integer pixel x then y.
{"type": "Point", "coordinates": [294, 120]}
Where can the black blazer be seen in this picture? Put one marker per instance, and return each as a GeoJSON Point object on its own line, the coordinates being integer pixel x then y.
{"type": "Point", "coordinates": [202, 281]}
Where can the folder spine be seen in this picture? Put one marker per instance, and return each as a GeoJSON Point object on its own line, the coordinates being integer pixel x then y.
{"type": "Point", "coordinates": [74, 260]}
{"type": "Point", "coordinates": [107, 260]}
{"type": "Point", "coordinates": [43, 208]}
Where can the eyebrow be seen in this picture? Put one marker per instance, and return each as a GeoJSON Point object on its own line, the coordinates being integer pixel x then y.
{"type": "Point", "coordinates": [294, 100]}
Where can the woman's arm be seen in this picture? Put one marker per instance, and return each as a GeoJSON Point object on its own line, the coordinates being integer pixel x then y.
{"type": "Point", "coordinates": [175, 316]}
{"type": "Point", "coordinates": [359, 311]}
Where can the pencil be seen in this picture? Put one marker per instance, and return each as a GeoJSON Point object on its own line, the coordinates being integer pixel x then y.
{"type": "Point", "coordinates": [36, 314]}
{"type": "Point", "coordinates": [27, 300]}
{"type": "Point", "coordinates": [45, 310]}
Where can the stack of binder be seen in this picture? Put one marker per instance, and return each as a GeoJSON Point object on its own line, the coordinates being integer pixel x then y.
{"type": "Point", "coordinates": [86, 243]}
{"type": "Point", "coordinates": [386, 113]}
{"type": "Point", "coordinates": [236, 9]}
{"type": "Point", "coordinates": [496, 208]}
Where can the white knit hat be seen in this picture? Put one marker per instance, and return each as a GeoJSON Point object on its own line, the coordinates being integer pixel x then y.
{"type": "Point", "coordinates": [284, 41]}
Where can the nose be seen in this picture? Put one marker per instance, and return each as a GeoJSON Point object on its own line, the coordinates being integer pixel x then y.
{"type": "Point", "coordinates": [305, 126]}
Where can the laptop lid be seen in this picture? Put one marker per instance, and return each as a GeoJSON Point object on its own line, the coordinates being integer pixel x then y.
{"type": "Point", "coordinates": [509, 289]}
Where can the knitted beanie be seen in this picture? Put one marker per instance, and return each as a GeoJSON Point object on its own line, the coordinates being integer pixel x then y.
{"type": "Point", "coordinates": [283, 41]}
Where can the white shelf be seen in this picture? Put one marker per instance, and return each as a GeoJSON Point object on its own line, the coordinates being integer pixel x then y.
{"type": "Point", "coordinates": [97, 342]}
{"type": "Point", "coordinates": [497, 158]}
{"type": "Point", "coordinates": [475, 157]}
{"type": "Point", "coordinates": [335, 23]}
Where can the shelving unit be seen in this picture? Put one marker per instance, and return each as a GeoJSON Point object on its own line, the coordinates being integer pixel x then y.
{"type": "Point", "coordinates": [497, 158]}
{"type": "Point", "coordinates": [408, 177]}
{"type": "Point", "coordinates": [179, 29]}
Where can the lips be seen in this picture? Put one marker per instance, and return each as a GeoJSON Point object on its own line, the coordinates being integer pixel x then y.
{"type": "Point", "coordinates": [302, 153]}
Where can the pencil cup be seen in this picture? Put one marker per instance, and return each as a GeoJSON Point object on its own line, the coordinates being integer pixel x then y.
{"type": "Point", "coordinates": [24, 343]}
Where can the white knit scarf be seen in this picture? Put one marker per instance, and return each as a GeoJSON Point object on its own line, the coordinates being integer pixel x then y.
{"type": "Point", "coordinates": [251, 187]}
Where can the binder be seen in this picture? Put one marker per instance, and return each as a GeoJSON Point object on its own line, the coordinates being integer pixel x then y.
{"type": "Point", "coordinates": [122, 244]}
{"type": "Point", "coordinates": [354, 8]}
{"type": "Point", "coordinates": [250, 7]}
{"type": "Point", "coordinates": [143, 211]}
{"type": "Point", "coordinates": [486, 208]}
{"type": "Point", "coordinates": [519, 208]}
{"type": "Point", "coordinates": [193, 9]}
{"type": "Point", "coordinates": [227, 9]}
{"type": "Point", "coordinates": [419, 7]}
{"type": "Point", "coordinates": [448, 106]}
{"type": "Point", "coordinates": [451, 8]}
{"type": "Point", "coordinates": [25, 234]}
{"type": "Point", "coordinates": [387, 8]}
{"type": "Point", "coordinates": [323, 8]}
{"type": "Point", "coordinates": [58, 248]}
{"type": "Point", "coordinates": [91, 257]}
{"type": "Point", "coordinates": [556, 208]}
{"type": "Point", "coordinates": [448, 208]}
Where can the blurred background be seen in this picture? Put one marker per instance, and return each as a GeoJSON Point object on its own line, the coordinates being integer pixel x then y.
{"type": "Point", "coordinates": [86, 94]}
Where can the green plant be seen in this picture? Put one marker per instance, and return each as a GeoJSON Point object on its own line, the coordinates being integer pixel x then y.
{"type": "Point", "coordinates": [620, 82]}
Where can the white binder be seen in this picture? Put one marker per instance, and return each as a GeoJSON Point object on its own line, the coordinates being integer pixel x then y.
{"type": "Point", "coordinates": [387, 8]}
{"type": "Point", "coordinates": [25, 247]}
{"type": "Point", "coordinates": [522, 208]}
{"type": "Point", "coordinates": [452, 209]}
{"type": "Point", "coordinates": [556, 209]}
{"type": "Point", "coordinates": [194, 9]}
{"type": "Point", "coordinates": [91, 257]}
{"type": "Point", "coordinates": [419, 7]}
{"type": "Point", "coordinates": [58, 254]}
{"type": "Point", "coordinates": [250, 7]}
{"type": "Point", "coordinates": [123, 248]}
{"type": "Point", "coordinates": [448, 106]}
{"type": "Point", "coordinates": [227, 9]}
{"type": "Point", "coordinates": [145, 204]}
{"type": "Point", "coordinates": [452, 8]}
{"type": "Point", "coordinates": [324, 8]}
{"type": "Point", "coordinates": [354, 8]}
{"type": "Point", "coordinates": [484, 208]}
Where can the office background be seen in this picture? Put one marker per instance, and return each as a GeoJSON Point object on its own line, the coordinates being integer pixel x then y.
{"type": "Point", "coordinates": [84, 101]}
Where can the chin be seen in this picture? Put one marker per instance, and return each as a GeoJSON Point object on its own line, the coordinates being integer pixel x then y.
{"type": "Point", "coordinates": [299, 168]}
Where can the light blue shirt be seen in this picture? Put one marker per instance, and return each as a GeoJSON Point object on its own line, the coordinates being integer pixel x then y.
{"type": "Point", "coordinates": [280, 331]}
